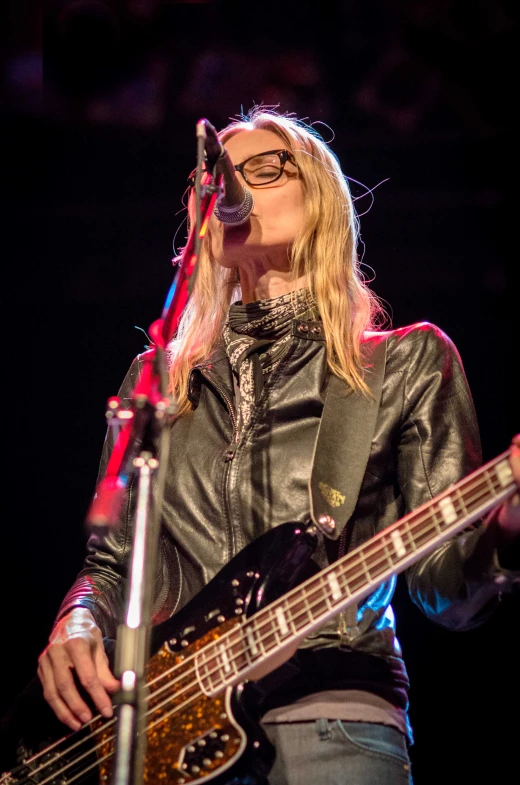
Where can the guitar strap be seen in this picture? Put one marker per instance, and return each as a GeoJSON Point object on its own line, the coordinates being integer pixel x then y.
{"type": "Point", "coordinates": [343, 442]}
{"type": "Point", "coordinates": [341, 455]}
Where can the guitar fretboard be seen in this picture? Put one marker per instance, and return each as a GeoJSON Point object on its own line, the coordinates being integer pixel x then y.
{"type": "Point", "coordinates": [228, 660]}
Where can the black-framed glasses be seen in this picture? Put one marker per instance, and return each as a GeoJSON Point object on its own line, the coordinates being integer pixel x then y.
{"type": "Point", "coordinates": [261, 169]}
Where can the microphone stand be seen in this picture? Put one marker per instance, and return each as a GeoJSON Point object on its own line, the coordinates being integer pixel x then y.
{"type": "Point", "coordinates": [142, 449]}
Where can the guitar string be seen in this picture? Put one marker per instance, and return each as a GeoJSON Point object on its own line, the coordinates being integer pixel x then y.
{"type": "Point", "coordinates": [233, 631]}
{"type": "Point", "coordinates": [194, 684]}
{"type": "Point", "coordinates": [103, 742]}
{"type": "Point", "coordinates": [319, 577]}
{"type": "Point", "coordinates": [169, 684]}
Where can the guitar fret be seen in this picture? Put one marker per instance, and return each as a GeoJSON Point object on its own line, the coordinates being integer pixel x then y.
{"type": "Point", "coordinates": [342, 581]}
{"type": "Point", "coordinates": [375, 565]}
{"type": "Point", "coordinates": [228, 666]}
{"type": "Point", "coordinates": [208, 669]}
{"type": "Point", "coordinates": [398, 545]}
{"type": "Point", "coordinates": [389, 549]}
{"type": "Point", "coordinates": [504, 473]}
{"type": "Point", "coordinates": [489, 480]}
{"type": "Point", "coordinates": [282, 621]}
{"type": "Point", "coordinates": [298, 610]}
{"type": "Point", "coordinates": [269, 636]}
{"type": "Point", "coordinates": [318, 600]}
{"type": "Point", "coordinates": [355, 580]}
{"type": "Point", "coordinates": [289, 617]}
{"type": "Point", "coordinates": [447, 510]}
{"type": "Point", "coordinates": [260, 642]}
{"type": "Point", "coordinates": [321, 601]}
{"type": "Point", "coordinates": [406, 527]}
{"type": "Point", "coordinates": [308, 609]}
{"type": "Point", "coordinates": [201, 667]}
{"type": "Point", "coordinates": [251, 640]}
{"type": "Point", "coordinates": [462, 503]}
{"type": "Point", "coordinates": [322, 595]}
{"type": "Point", "coordinates": [437, 524]}
{"type": "Point", "coordinates": [423, 533]}
{"type": "Point", "coordinates": [334, 586]}
{"type": "Point", "coordinates": [358, 579]}
{"type": "Point", "coordinates": [365, 567]}
{"type": "Point", "coordinates": [224, 660]}
{"type": "Point", "coordinates": [275, 625]}
{"type": "Point", "coordinates": [239, 653]}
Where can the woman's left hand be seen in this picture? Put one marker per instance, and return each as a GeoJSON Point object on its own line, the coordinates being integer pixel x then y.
{"type": "Point", "coordinates": [509, 514]}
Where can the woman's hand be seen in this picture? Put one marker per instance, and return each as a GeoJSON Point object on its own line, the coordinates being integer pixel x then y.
{"type": "Point", "coordinates": [507, 520]}
{"type": "Point", "coordinates": [509, 514]}
{"type": "Point", "coordinates": [76, 645]}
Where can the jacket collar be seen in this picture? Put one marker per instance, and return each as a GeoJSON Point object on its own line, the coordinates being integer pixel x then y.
{"type": "Point", "coordinates": [216, 368]}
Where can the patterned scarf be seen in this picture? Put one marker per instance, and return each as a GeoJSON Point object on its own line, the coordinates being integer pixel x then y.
{"type": "Point", "coordinates": [256, 337]}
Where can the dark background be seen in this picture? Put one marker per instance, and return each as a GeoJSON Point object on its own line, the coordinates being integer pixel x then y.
{"type": "Point", "coordinates": [99, 105]}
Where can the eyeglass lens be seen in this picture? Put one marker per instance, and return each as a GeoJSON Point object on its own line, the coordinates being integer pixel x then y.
{"type": "Point", "coordinates": [262, 169]}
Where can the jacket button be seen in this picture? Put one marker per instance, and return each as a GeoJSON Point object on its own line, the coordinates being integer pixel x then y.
{"type": "Point", "coordinates": [303, 328]}
{"type": "Point", "coordinates": [316, 330]}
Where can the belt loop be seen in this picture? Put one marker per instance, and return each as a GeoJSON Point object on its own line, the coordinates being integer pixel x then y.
{"type": "Point", "coordinates": [347, 625]}
{"type": "Point", "coordinates": [323, 730]}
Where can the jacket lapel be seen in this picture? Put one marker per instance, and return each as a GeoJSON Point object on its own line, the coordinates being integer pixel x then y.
{"type": "Point", "coordinates": [343, 443]}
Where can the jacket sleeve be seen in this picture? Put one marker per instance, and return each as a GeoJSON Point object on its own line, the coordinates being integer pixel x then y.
{"type": "Point", "coordinates": [459, 584]}
{"type": "Point", "coordinates": [101, 584]}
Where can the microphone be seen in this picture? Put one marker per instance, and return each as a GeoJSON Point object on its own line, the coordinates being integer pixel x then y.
{"type": "Point", "coordinates": [236, 204]}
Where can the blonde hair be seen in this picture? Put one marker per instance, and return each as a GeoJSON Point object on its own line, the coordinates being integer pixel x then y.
{"type": "Point", "coordinates": [325, 251]}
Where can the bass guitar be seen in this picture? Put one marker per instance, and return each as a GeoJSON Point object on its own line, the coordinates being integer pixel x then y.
{"type": "Point", "coordinates": [199, 728]}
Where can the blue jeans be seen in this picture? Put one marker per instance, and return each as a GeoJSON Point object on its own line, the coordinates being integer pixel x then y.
{"type": "Point", "coordinates": [336, 752]}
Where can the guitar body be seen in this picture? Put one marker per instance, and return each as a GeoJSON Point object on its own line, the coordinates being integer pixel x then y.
{"type": "Point", "coordinates": [200, 725]}
{"type": "Point", "coordinates": [193, 736]}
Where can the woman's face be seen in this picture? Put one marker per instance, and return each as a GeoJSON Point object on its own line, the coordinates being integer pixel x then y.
{"type": "Point", "coordinates": [278, 211]}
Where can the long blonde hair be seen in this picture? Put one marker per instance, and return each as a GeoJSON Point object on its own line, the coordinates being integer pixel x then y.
{"type": "Point", "coordinates": [325, 251]}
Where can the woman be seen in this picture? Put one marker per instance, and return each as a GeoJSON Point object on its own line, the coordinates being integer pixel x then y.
{"type": "Point", "coordinates": [280, 322]}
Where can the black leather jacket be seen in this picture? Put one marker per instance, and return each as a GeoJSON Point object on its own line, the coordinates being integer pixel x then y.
{"type": "Point", "coordinates": [418, 436]}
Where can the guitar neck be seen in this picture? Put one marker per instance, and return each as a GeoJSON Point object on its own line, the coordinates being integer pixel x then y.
{"type": "Point", "coordinates": [306, 607]}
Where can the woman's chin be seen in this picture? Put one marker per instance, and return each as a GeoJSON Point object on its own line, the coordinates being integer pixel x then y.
{"type": "Point", "coordinates": [239, 234]}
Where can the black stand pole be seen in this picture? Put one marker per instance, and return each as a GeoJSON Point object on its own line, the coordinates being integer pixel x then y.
{"type": "Point", "coordinates": [132, 639]}
{"type": "Point", "coordinates": [143, 428]}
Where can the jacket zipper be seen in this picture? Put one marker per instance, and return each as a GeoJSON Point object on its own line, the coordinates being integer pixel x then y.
{"type": "Point", "coordinates": [229, 453]}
